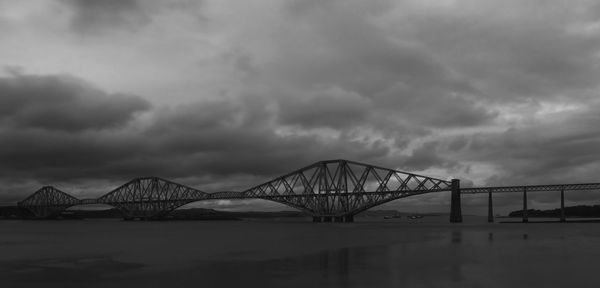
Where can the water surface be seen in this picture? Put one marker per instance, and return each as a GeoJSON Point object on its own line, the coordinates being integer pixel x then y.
{"type": "Point", "coordinates": [426, 252]}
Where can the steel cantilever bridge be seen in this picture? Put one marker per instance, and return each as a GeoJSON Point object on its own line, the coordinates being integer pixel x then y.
{"type": "Point", "coordinates": [332, 190]}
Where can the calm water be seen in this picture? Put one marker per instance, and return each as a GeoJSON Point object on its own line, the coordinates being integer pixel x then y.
{"type": "Point", "coordinates": [377, 253]}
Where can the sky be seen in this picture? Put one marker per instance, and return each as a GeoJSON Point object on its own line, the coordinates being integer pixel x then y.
{"type": "Point", "coordinates": [225, 95]}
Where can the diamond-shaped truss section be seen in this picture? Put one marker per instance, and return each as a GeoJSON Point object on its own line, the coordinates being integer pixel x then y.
{"type": "Point", "coordinates": [49, 196]}
{"type": "Point", "coordinates": [343, 177]}
{"type": "Point", "coordinates": [151, 197]}
{"type": "Point", "coordinates": [48, 201]}
{"type": "Point", "coordinates": [226, 195]}
{"type": "Point", "coordinates": [339, 187]}
{"type": "Point", "coordinates": [152, 189]}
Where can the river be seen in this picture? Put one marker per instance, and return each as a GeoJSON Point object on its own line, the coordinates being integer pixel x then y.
{"type": "Point", "coordinates": [426, 252]}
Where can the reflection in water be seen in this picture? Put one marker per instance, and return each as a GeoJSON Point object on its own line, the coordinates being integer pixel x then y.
{"type": "Point", "coordinates": [329, 268]}
{"type": "Point", "coordinates": [428, 263]}
{"type": "Point", "coordinates": [294, 255]}
{"type": "Point", "coordinates": [456, 236]}
{"type": "Point", "coordinates": [334, 264]}
{"type": "Point", "coordinates": [455, 270]}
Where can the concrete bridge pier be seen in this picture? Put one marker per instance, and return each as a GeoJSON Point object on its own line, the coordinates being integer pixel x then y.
{"type": "Point", "coordinates": [339, 219]}
{"type": "Point", "coordinates": [562, 206]}
{"type": "Point", "coordinates": [525, 216]}
{"type": "Point", "coordinates": [344, 219]}
{"type": "Point", "coordinates": [490, 207]}
{"type": "Point", "coordinates": [455, 209]}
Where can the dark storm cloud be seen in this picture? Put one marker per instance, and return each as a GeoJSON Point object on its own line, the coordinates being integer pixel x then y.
{"type": "Point", "coordinates": [397, 80]}
{"type": "Point", "coordinates": [226, 138]}
{"type": "Point", "coordinates": [513, 50]}
{"type": "Point", "coordinates": [426, 156]}
{"type": "Point", "coordinates": [97, 17]}
{"type": "Point", "coordinates": [57, 129]}
{"type": "Point", "coordinates": [60, 127]}
{"type": "Point", "coordinates": [332, 107]}
{"type": "Point", "coordinates": [63, 103]}
{"type": "Point", "coordinates": [353, 54]}
{"type": "Point", "coordinates": [434, 106]}
{"type": "Point", "coordinates": [560, 150]}
{"type": "Point", "coordinates": [414, 85]}
{"type": "Point", "coordinates": [437, 68]}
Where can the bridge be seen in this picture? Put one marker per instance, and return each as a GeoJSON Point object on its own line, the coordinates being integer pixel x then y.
{"type": "Point", "coordinates": [332, 190]}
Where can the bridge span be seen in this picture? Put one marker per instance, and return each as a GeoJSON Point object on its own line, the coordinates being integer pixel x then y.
{"type": "Point", "coordinates": [332, 190]}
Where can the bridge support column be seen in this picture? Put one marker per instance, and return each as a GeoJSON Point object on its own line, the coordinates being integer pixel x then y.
{"type": "Point", "coordinates": [525, 216]}
{"type": "Point", "coordinates": [349, 218]}
{"type": "Point", "coordinates": [490, 207]}
{"type": "Point", "coordinates": [562, 206]}
{"type": "Point", "coordinates": [455, 209]}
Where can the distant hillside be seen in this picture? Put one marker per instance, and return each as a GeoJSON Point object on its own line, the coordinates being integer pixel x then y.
{"type": "Point", "coordinates": [383, 213]}
{"type": "Point", "coordinates": [193, 214]}
{"type": "Point", "coordinates": [211, 214]}
{"type": "Point", "coordinates": [13, 212]}
{"type": "Point", "coordinates": [571, 211]}
{"type": "Point", "coordinates": [201, 213]}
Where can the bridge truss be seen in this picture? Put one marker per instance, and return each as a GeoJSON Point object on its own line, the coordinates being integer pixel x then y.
{"type": "Point", "coordinates": [339, 189]}
{"type": "Point", "coordinates": [151, 197]}
{"type": "Point", "coordinates": [333, 190]}
{"type": "Point", "coordinates": [47, 202]}
{"type": "Point", "coordinates": [327, 190]}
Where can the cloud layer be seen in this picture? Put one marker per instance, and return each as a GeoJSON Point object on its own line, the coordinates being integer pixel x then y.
{"type": "Point", "coordinates": [224, 95]}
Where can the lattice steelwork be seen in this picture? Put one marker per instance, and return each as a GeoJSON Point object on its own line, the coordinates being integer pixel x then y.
{"type": "Point", "coordinates": [326, 190]}
{"type": "Point", "coordinates": [531, 188]}
{"type": "Point", "coordinates": [151, 197]}
{"type": "Point", "coordinates": [48, 202]}
{"type": "Point", "coordinates": [339, 188]}
{"type": "Point", "coordinates": [225, 195]}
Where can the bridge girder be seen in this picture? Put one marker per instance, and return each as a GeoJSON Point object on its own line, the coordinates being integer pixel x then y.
{"type": "Point", "coordinates": [48, 202]}
{"type": "Point", "coordinates": [333, 188]}
{"type": "Point", "coordinates": [151, 197]}
{"type": "Point", "coordinates": [342, 187]}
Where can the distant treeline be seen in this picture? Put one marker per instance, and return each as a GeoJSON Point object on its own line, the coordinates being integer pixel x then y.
{"type": "Point", "coordinates": [211, 214]}
{"type": "Point", "coordinates": [13, 212]}
{"type": "Point", "coordinates": [572, 211]}
{"type": "Point", "coordinates": [16, 212]}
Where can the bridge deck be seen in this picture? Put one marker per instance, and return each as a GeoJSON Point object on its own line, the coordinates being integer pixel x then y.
{"type": "Point", "coordinates": [531, 188]}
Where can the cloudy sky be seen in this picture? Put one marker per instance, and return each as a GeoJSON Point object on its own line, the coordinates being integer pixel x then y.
{"type": "Point", "coordinates": [228, 94]}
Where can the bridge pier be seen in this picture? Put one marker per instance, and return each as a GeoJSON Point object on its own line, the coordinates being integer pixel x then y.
{"type": "Point", "coordinates": [525, 216]}
{"type": "Point", "coordinates": [562, 206]}
{"type": "Point", "coordinates": [490, 207]}
{"type": "Point", "coordinates": [455, 209]}
{"type": "Point", "coordinates": [338, 219]}
{"type": "Point", "coordinates": [344, 219]}
{"type": "Point", "coordinates": [348, 218]}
